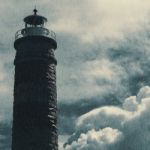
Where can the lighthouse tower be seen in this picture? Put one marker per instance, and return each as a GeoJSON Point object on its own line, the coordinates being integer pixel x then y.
{"type": "Point", "coordinates": [35, 104]}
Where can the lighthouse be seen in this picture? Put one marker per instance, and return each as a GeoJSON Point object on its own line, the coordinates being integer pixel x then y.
{"type": "Point", "coordinates": [35, 95]}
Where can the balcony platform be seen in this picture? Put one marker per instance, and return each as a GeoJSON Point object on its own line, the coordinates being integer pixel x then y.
{"type": "Point", "coordinates": [35, 31]}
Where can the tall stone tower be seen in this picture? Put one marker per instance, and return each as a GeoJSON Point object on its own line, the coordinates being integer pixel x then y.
{"type": "Point", "coordinates": [35, 104]}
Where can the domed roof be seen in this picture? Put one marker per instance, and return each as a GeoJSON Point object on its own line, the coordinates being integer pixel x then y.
{"type": "Point", "coordinates": [35, 19]}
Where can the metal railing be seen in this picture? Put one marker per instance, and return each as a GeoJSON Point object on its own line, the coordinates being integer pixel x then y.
{"type": "Point", "coordinates": [35, 31]}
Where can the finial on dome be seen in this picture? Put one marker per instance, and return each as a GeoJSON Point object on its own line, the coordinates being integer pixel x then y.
{"type": "Point", "coordinates": [35, 11]}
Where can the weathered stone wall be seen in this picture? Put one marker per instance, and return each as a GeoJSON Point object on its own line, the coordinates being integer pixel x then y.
{"type": "Point", "coordinates": [35, 101]}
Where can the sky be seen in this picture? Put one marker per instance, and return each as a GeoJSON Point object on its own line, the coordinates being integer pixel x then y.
{"type": "Point", "coordinates": [103, 75]}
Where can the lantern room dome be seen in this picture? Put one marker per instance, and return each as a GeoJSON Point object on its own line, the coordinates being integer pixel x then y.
{"type": "Point", "coordinates": [35, 19]}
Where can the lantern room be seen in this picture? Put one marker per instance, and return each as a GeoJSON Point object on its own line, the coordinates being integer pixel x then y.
{"type": "Point", "coordinates": [35, 26]}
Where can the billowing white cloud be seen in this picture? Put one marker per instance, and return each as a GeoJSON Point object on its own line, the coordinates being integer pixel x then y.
{"type": "Point", "coordinates": [115, 128]}
{"type": "Point", "coordinates": [96, 139]}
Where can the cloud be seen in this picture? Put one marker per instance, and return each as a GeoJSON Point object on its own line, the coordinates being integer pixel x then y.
{"type": "Point", "coordinates": [62, 139]}
{"type": "Point", "coordinates": [5, 130]}
{"type": "Point", "coordinates": [124, 64]}
{"type": "Point", "coordinates": [97, 20]}
{"type": "Point", "coordinates": [128, 65]}
{"type": "Point", "coordinates": [113, 127]}
{"type": "Point", "coordinates": [96, 139]}
{"type": "Point", "coordinates": [90, 79]}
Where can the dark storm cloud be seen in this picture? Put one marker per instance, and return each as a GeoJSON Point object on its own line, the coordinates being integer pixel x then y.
{"type": "Point", "coordinates": [133, 56]}
{"type": "Point", "coordinates": [5, 135]}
